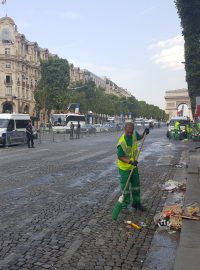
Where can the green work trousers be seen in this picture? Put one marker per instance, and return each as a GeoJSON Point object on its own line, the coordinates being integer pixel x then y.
{"type": "Point", "coordinates": [133, 190]}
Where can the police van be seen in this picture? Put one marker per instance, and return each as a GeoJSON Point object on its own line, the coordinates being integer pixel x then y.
{"type": "Point", "coordinates": [13, 128]}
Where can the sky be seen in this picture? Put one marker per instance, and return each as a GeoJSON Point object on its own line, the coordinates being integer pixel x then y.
{"type": "Point", "coordinates": [136, 43]}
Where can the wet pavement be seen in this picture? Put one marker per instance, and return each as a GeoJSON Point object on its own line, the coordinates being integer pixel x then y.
{"type": "Point", "coordinates": [56, 203]}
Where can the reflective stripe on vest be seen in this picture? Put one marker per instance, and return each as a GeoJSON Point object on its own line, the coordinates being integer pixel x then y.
{"type": "Point", "coordinates": [130, 152]}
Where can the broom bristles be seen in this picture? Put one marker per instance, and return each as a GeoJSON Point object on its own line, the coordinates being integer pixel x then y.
{"type": "Point", "coordinates": [116, 210]}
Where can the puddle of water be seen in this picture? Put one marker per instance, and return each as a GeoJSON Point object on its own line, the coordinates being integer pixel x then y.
{"type": "Point", "coordinates": [155, 148]}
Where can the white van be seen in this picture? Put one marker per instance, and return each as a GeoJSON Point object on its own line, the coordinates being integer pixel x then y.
{"type": "Point", "coordinates": [183, 120]}
{"type": "Point", "coordinates": [13, 128]}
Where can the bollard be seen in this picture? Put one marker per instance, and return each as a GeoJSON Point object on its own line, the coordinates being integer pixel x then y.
{"type": "Point", "coordinates": [25, 138]}
{"type": "Point", "coordinates": [53, 136]}
{"type": "Point", "coordinates": [6, 140]}
{"type": "Point", "coordinates": [40, 138]}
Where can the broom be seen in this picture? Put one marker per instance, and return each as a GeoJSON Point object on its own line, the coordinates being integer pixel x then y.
{"type": "Point", "coordinates": [118, 206]}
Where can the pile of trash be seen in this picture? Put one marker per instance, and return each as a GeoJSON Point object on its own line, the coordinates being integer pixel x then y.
{"type": "Point", "coordinates": [171, 216]}
{"type": "Point", "coordinates": [172, 186]}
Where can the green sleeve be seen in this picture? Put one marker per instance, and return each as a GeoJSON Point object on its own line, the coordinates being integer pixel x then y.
{"type": "Point", "coordinates": [120, 151]}
{"type": "Point", "coordinates": [138, 136]}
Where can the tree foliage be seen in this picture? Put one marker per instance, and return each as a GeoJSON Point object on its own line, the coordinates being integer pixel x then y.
{"type": "Point", "coordinates": [189, 13]}
{"type": "Point", "coordinates": [53, 93]}
{"type": "Point", "coordinates": [95, 99]}
{"type": "Point", "coordinates": [52, 88]}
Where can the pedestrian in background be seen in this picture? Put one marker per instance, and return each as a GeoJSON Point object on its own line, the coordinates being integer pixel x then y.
{"type": "Point", "coordinates": [78, 131]}
{"type": "Point", "coordinates": [29, 134]}
{"type": "Point", "coordinates": [127, 150]}
{"type": "Point", "coordinates": [71, 131]}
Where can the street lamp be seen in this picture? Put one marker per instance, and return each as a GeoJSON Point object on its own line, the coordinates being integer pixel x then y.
{"type": "Point", "coordinates": [15, 98]}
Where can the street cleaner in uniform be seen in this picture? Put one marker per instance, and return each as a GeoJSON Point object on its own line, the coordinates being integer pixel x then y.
{"type": "Point", "coordinates": [127, 150]}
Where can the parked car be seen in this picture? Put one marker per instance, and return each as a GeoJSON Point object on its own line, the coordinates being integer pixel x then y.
{"type": "Point", "coordinates": [106, 127]}
{"type": "Point", "coordinates": [98, 127]}
{"type": "Point", "coordinates": [113, 126]}
{"type": "Point", "coordinates": [120, 126]}
{"type": "Point", "coordinates": [88, 129]}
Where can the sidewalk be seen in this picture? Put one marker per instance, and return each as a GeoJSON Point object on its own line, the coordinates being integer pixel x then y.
{"type": "Point", "coordinates": [188, 253]}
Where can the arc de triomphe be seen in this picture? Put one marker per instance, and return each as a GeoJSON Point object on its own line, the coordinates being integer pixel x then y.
{"type": "Point", "coordinates": [174, 98]}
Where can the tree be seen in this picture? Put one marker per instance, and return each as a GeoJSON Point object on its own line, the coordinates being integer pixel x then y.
{"type": "Point", "coordinates": [189, 13]}
{"type": "Point", "coordinates": [95, 99]}
{"type": "Point", "coordinates": [52, 89]}
{"type": "Point", "coordinates": [53, 93]}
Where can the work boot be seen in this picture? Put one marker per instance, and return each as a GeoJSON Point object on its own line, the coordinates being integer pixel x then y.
{"type": "Point", "coordinates": [139, 207]}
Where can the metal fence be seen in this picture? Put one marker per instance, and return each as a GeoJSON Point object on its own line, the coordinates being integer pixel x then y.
{"type": "Point", "coordinates": [50, 136]}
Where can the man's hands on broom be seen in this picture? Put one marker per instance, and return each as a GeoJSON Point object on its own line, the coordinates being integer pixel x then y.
{"type": "Point", "coordinates": [134, 163]}
{"type": "Point", "coordinates": [146, 132]}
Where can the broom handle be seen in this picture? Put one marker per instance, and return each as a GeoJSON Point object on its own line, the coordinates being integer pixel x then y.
{"type": "Point", "coordinates": [132, 170]}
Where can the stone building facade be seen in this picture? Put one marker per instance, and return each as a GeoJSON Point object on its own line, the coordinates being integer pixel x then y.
{"type": "Point", "coordinates": [114, 89]}
{"type": "Point", "coordinates": [19, 69]}
{"type": "Point", "coordinates": [82, 75]}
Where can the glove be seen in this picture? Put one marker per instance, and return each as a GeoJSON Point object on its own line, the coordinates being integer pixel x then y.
{"type": "Point", "coordinates": [134, 163]}
{"type": "Point", "coordinates": [146, 131]}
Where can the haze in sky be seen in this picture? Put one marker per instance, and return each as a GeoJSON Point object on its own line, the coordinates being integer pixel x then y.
{"type": "Point", "coordinates": [137, 44]}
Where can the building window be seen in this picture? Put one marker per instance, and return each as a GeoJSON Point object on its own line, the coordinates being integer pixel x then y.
{"type": "Point", "coordinates": [8, 79]}
{"type": "Point", "coordinates": [7, 65]}
{"type": "Point", "coordinates": [32, 95]}
{"type": "Point", "coordinates": [8, 90]}
{"type": "Point", "coordinates": [7, 51]}
{"type": "Point", "coordinates": [27, 94]}
{"type": "Point", "coordinates": [23, 93]}
{"type": "Point", "coordinates": [18, 91]}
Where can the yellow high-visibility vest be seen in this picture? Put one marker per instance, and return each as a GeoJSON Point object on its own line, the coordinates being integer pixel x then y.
{"type": "Point", "coordinates": [177, 125]}
{"type": "Point", "coordinates": [130, 152]}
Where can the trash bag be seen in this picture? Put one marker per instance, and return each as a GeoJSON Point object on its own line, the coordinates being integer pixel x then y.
{"type": "Point", "coordinates": [170, 186]}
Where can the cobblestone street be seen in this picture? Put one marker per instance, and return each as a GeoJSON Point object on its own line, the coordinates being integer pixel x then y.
{"type": "Point", "coordinates": [56, 203]}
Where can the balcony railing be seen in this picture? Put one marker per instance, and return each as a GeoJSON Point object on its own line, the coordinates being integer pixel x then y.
{"type": "Point", "coordinates": [8, 82]}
